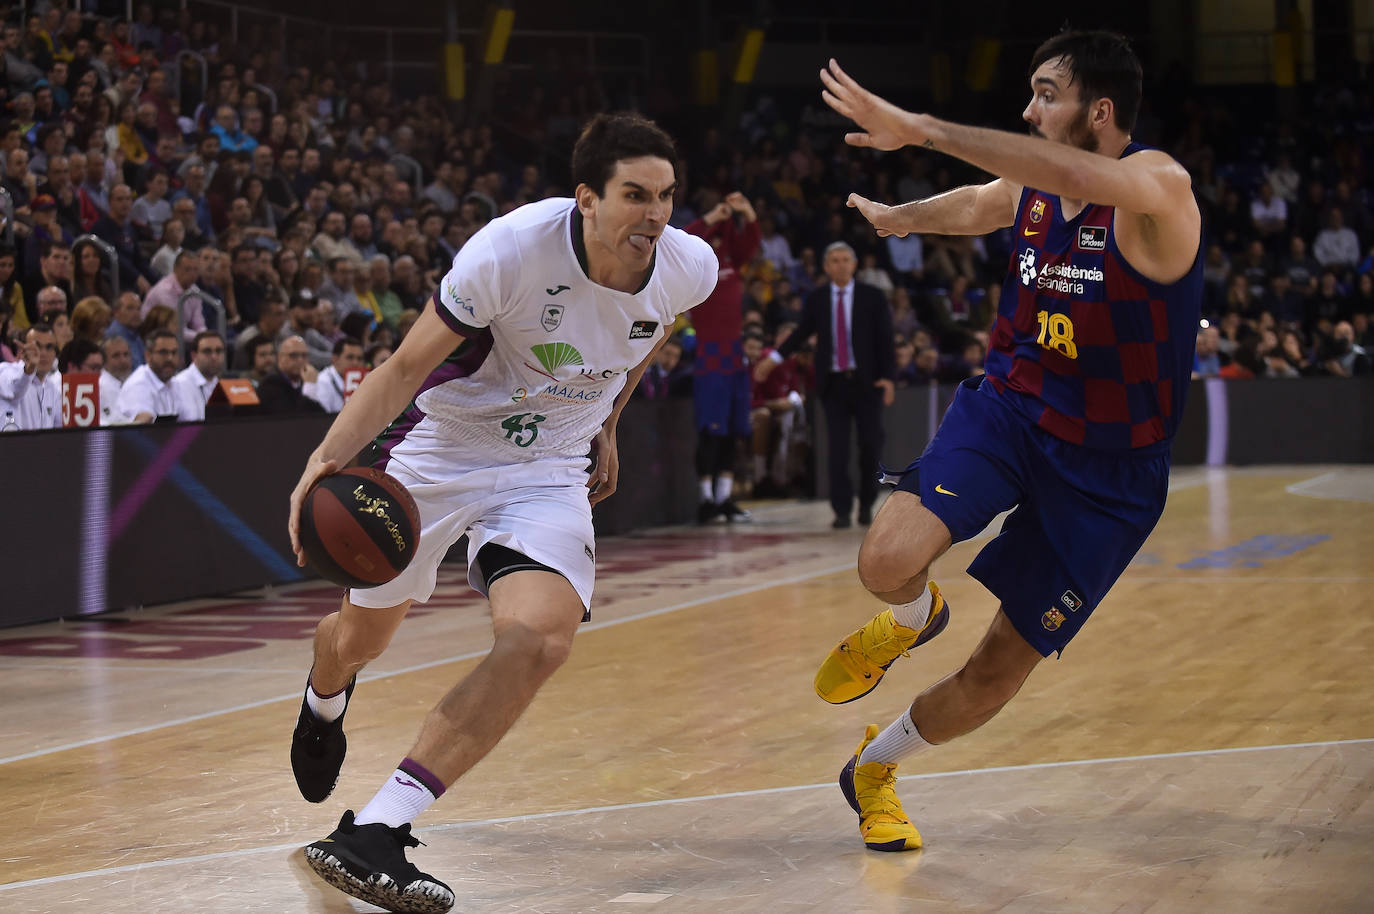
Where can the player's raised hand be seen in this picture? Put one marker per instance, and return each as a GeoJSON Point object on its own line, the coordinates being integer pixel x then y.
{"type": "Point", "coordinates": [881, 216]}
{"type": "Point", "coordinates": [885, 126]}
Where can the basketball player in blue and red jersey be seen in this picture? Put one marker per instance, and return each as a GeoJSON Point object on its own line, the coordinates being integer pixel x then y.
{"type": "Point", "coordinates": [1086, 374]}
{"type": "Point", "coordinates": [721, 388]}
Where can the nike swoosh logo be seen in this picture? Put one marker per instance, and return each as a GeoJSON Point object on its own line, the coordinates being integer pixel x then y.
{"type": "Point", "coordinates": [943, 491]}
{"type": "Point", "coordinates": [556, 289]}
{"type": "Point", "coordinates": [1028, 233]}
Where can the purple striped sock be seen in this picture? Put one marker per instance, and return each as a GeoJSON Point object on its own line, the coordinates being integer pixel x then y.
{"type": "Point", "coordinates": [423, 775]}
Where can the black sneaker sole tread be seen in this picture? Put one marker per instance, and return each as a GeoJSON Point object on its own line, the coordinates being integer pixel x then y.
{"type": "Point", "coordinates": [379, 889]}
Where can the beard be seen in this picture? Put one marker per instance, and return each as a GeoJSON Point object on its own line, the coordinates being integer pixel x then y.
{"type": "Point", "coordinates": [1079, 133]}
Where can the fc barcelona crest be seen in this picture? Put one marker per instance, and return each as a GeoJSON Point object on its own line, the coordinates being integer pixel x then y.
{"type": "Point", "coordinates": [1052, 620]}
{"type": "Point", "coordinates": [553, 316]}
{"type": "Point", "coordinates": [1037, 211]}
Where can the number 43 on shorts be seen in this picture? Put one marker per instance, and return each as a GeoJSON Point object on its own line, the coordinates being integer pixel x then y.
{"type": "Point", "coordinates": [521, 432]}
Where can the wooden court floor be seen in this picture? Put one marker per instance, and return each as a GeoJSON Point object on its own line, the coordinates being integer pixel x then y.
{"type": "Point", "coordinates": [1206, 744]}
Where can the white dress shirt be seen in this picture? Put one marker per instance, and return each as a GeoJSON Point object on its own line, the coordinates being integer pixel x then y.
{"type": "Point", "coordinates": [109, 400]}
{"type": "Point", "coordinates": [907, 254]}
{"type": "Point", "coordinates": [144, 393]}
{"type": "Point", "coordinates": [35, 403]}
{"type": "Point", "coordinates": [848, 324]}
{"type": "Point", "coordinates": [327, 390]}
{"type": "Point", "coordinates": [192, 390]}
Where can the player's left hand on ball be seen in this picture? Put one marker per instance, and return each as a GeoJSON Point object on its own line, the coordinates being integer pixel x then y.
{"type": "Point", "coordinates": [314, 471]}
{"type": "Point", "coordinates": [604, 476]}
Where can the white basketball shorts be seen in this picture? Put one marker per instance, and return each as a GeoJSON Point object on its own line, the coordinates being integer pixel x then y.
{"type": "Point", "coordinates": [539, 509]}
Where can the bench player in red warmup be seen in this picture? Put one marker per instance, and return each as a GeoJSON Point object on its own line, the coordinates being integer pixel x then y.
{"type": "Point", "coordinates": [1071, 426]}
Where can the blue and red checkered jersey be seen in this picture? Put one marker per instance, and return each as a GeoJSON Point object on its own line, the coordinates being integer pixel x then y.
{"type": "Point", "coordinates": [1083, 345]}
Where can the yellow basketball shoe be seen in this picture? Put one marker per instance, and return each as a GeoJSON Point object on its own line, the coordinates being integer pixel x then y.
{"type": "Point", "coordinates": [871, 790]}
{"type": "Point", "coordinates": [857, 664]}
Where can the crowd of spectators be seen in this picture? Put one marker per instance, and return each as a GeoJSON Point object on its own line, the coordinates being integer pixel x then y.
{"type": "Point", "coordinates": [328, 208]}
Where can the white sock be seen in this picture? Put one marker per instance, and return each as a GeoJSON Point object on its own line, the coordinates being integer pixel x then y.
{"type": "Point", "coordinates": [706, 489]}
{"type": "Point", "coordinates": [724, 485]}
{"type": "Point", "coordinates": [326, 707]}
{"type": "Point", "coordinates": [899, 740]}
{"type": "Point", "coordinates": [916, 613]}
{"type": "Point", "coordinates": [408, 792]}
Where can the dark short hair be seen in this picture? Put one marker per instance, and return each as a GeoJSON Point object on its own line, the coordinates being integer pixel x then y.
{"type": "Point", "coordinates": [205, 335]}
{"type": "Point", "coordinates": [1103, 65]}
{"type": "Point", "coordinates": [611, 138]}
{"type": "Point", "coordinates": [345, 341]}
{"type": "Point", "coordinates": [52, 244]}
{"type": "Point", "coordinates": [257, 343]}
{"type": "Point", "coordinates": [76, 352]}
{"type": "Point", "coordinates": [250, 248]}
{"type": "Point", "coordinates": [355, 324]}
{"type": "Point", "coordinates": [39, 327]}
{"type": "Point", "coordinates": [161, 333]}
{"type": "Point", "coordinates": [304, 298]}
{"type": "Point", "coordinates": [185, 256]}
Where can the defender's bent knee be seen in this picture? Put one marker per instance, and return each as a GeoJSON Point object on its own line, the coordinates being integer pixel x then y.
{"type": "Point", "coordinates": [886, 566]}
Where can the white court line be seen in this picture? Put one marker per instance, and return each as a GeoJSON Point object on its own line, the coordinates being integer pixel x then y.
{"type": "Point", "coordinates": [383, 674]}
{"type": "Point", "coordinates": [677, 801]}
{"type": "Point", "coordinates": [1311, 488]}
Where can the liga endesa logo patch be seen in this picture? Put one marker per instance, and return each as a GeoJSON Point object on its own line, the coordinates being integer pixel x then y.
{"type": "Point", "coordinates": [1092, 238]}
{"type": "Point", "coordinates": [642, 330]}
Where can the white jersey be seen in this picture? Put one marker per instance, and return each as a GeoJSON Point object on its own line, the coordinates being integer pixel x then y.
{"type": "Point", "coordinates": [547, 349]}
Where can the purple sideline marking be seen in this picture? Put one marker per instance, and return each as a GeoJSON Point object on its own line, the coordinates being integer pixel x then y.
{"type": "Point", "coordinates": [149, 480]}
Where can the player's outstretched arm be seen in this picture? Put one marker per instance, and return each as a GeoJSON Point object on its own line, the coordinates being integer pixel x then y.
{"type": "Point", "coordinates": [381, 397]}
{"type": "Point", "coordinates": [1149, 183]}
{"type": "Point", "coordinates": [973, 210]}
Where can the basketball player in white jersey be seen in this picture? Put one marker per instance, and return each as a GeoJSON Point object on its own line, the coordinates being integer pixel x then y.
{"type": "Point", "coordinates": [528, 353]}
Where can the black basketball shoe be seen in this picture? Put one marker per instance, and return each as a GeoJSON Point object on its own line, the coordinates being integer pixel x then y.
{"type": "Point", "coordinates": [733, 513]}
{"type": "Point", "coordinates": [369, 862]}
{"type": "Point", "coordinates": [318, 749]}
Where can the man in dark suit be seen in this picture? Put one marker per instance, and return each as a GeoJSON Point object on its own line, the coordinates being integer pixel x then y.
{"type": "Point", "coordinates": [855, 368]}
{"type": "Point", "coordinates": [281, 391]}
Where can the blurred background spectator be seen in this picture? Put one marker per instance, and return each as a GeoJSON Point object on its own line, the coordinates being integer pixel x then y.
{"type": "Point", "coordinates": [293, 170]}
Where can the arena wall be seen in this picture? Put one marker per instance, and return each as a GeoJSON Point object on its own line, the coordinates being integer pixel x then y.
{"type": "Point", "coordinates": [121, 517]}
